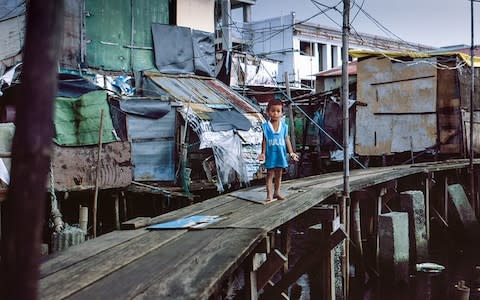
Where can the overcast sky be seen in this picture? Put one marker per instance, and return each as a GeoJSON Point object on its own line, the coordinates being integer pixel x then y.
{"type": "Point", "coordinates": [429, 22]}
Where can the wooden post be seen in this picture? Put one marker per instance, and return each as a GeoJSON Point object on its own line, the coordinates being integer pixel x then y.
{"type": "Point", "coordinates": [24, 209]}
{"type": "Point", "coordinates": [97, 175]}
{"type": "Point", "coordinates": [290, 114]}
{"type": "Point", "coordinates": [445, 198]}
{"type": "Point", "coordinates": [124, 205]}
{"type": "Point", "coordinates": [383, 191]}
{"type": "Point", "coordinates": [116, 210]}
{"type": "Point", "coordinates": [250, 279]}
{"type": "Point", "coordinates": [427, 204]}
{"type": "Point", "coordinates": [285, 244]}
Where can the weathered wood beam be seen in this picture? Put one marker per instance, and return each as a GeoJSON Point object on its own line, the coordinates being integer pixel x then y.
{"type": "Point", "coordinates": [316, 254]}
{"type": "Point", "coordinates": [273, 264]}
{"type": "Point", "coordinates": [135, 223]}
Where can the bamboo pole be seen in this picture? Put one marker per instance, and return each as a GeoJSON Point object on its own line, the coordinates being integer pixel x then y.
{"type": "Point", "coordinates": [97, 176]}
{"type": "Point", "coordinates": [346, 150]}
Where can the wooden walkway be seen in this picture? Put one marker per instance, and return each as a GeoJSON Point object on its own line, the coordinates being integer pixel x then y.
{"type": "Point", "coordinates": [192, 264]}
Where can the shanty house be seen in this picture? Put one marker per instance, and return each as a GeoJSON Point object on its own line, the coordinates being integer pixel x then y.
{"type": "Point", "coordinates": [415, 102]}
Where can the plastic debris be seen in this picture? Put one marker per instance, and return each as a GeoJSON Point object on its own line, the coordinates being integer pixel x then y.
{"type": "Point", "coordinates": [430, 267]}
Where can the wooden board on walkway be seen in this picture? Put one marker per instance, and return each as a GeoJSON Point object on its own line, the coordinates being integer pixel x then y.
{"type": "Point", "coordinates": [79, 275]}
{"type": "Point", "coordinates": [181, 264]}
{"type": "Point", "coordinates": [188, 267]}
{"type": "Point", "coordinates": [259, 194]}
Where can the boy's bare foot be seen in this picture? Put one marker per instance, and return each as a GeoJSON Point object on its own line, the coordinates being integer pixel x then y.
{"type": "Point", "coordinates": [279, 197]}
{"type": "Point", "coordinates": [269, 200]}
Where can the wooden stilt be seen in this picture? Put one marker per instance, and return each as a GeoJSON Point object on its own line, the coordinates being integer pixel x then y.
{"type": "Point", "coordinates": [315, 255]}
{"type": "Point", "coordinates": [445, 199]}
{"type": "Point", "coordinates": [428, 180]}
{"type": "Point", "coordinates": [124, 205]}
{"type": "Point", "coordinates": [285, 245]}
{"type": "Point", "coordinates": [97, 175]}
{"type": "Point", "coordinates": [378, 207]}
{"type": "Point", "coordinates": [116, 210]}
{"type": "Point", "coordinates": [251, 290]}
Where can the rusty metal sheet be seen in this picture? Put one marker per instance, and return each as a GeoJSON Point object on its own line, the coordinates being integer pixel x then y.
{"type": "Point", "coordinates": [387, 134]}
{"type": "Point", "coordinates": [401, 106]}
{"type": "Point", "coordinates": [11, 36]}
{"type": "Point", "coordinates": [74, 168]}
{"type": "Point", "coordinates": [449, 113]}
{"type": "Point", "coordinates": [465, 80]}
{"type": "Point", "coordinates": [236, 99]}
{"type": "Point", "coordinates": [201, 90]}
{"type": "Point", "coordinates": [476, 131]}
{"type": "Point", "coordinates": [73, 45]}
{"type": "Point", "coordinates": [189, 89]}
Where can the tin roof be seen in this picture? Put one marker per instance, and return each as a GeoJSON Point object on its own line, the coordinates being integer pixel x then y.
{"type": "Point", "coordinates": [337, 71]}
{"type": "Point", "coordinates": [204, 92]}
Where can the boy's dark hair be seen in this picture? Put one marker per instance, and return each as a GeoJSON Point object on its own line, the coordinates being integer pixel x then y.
{"type": "Point", "coordinates": [274, 102]}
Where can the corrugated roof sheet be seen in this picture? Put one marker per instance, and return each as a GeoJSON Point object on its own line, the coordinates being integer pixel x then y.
{"type": "Point", "coordinates": [200, 90]}
{"type": "Point", "coordinates": [337, 71]}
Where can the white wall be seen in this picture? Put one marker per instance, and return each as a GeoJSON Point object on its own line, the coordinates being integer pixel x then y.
{"type": "Point", "coordinates": [196, 14]}
{"type": "Point", "coordinates": [273, 38]}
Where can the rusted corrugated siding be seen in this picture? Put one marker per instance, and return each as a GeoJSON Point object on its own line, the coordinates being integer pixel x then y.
{"type": "Point", "coordinates": [199, 92]}
{"type": "Point", "coordinates": [72, 34]}
{"type": "Point", "coordinates": [12, 32]}
{"type": "Point", "coordinates": [401, 106]}
{"type": "Point", "coordinates": [449, 113]}
{"type": "Point", "coordinates": [476, 131]}
{"type": "Point", "coordinates": [465, 80]}
{"type": "Point", "coordinates": [233, 97]}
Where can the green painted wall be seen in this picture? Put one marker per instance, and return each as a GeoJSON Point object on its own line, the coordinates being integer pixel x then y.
{"type": "Point", "coordinates": [108, 30]}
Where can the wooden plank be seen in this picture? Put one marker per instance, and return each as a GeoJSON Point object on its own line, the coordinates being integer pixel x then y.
{"type": "Point", "coordinates": [80, 275]}
{"type": "Point", "coordinates": [78, 253]}
{"type": "Point", "coordinates": [189, 267]}
{"type": "Point", "coordinates": [136, 223]}
{"type": "Point", "coordinates": [74, 167]}
{"type": "Point", "coordinates": [269, 268]}
{"type": "Point", "coordinates": [281, 212]}
{"type": "Point", "coordinates": [199, 208]}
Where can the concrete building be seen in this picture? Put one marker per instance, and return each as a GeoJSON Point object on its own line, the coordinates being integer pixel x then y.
{"type": "Point", "coordinates": [304, 49]}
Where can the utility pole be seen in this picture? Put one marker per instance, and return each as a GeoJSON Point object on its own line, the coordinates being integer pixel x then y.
{"type": "Point", "coordinates": [226, 28]}
{"type": "Point", "coordinates": [346, 150]}
{"type": "Point", "coordinates": [31, 151]}
{"type": "Point", "coordinates": [474, 201]}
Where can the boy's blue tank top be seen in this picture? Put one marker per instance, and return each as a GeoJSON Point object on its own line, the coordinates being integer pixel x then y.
{"type": "Point", "coordinates": [275, 148]}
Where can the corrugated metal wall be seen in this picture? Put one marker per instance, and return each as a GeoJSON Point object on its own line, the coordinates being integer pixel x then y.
{"type": "Point", "coordinates": [73, 43]}
{"type": "Point", "coordinates": [153, 146]}
{"type": "Point", "coordinates": [448, 112]}
{"type": "Point", "coordinates": [401, 106]}
{"type": "Point", "coordinates": [109, 37]}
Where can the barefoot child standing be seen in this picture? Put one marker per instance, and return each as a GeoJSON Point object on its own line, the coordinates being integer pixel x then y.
{"type": "Point", "coordinates": [275, 144]}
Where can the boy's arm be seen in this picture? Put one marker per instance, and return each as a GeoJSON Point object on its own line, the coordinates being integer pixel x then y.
{"type": "Point", "coordinates": [261, 157]}
{"type": "Point", "coordinates": [290, 152]}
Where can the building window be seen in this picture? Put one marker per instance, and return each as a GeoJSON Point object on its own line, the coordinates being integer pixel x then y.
{"type": "Point", "coordinates": [334, 56]}
{"type": "Point", "coordinates": [306, 48]}
{"type": "Point", "coordinates": [307, 83]}
{"type": "Point", "coordinates": [321, 54]}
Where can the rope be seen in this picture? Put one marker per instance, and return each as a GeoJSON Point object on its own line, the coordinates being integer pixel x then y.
{"type": "Point", "coordinates": [56, 216]}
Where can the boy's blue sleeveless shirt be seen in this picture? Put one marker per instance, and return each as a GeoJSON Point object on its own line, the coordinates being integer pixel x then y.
{"type": "Point", "coordinates": [275, 148]}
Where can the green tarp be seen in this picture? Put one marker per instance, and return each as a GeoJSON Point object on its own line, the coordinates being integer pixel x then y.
{"type": "Point", "coordinates": [77, 120]}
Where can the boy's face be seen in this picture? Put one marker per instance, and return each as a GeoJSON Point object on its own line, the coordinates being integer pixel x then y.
{"type": "Point", "coordinates": [275, 112]}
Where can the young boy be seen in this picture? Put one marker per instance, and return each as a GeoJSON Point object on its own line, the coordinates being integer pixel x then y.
{"type": "Point", "coordinates": [275, 144]}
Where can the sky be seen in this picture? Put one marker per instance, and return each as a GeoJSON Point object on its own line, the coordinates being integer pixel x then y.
{"type": "Point", "coordinates": [429, 22]}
